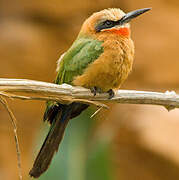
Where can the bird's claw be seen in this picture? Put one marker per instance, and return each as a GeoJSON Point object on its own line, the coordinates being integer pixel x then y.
{"type": "Point", "coordinates": [96, 90]}
{"type": "Point", "coordinates": [111, 94]}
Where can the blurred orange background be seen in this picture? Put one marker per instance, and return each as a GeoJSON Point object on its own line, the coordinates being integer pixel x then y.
{"type": "Point", "coordinates": [33, 34]}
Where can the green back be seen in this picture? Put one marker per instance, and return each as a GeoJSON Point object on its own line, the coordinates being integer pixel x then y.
{"type": "Point", "coordinates": [83, 52]}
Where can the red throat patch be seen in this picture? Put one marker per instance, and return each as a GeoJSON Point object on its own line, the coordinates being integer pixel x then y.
{"type": "Point", "coordinates": [122, 31]}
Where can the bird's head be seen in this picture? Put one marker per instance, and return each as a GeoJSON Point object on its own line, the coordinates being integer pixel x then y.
{"type": "Point", "coordinates": [111, 20]}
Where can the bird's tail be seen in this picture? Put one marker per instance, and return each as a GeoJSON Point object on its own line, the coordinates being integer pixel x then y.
{"type": "Point", "coordinates": [52, 141]}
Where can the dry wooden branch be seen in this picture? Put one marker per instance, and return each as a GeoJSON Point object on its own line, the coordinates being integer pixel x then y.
{"type": "Point", "coordinates": [37, 90]}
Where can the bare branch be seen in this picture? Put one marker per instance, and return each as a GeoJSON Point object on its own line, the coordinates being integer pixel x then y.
{"type": "Point", "coordinates": [37, 90]}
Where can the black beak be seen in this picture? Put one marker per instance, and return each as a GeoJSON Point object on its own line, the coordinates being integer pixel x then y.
{"type": "Point", "coordinates": [131, 15]}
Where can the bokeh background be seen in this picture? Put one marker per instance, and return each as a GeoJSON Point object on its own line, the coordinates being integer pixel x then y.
{"type": "Point", "coordinates": [128, 142]}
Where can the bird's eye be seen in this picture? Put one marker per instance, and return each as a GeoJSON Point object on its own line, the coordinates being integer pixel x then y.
{"type": "Point", "coordinates": [105, 25]}
{"type": "Point", "coordinates": [108, 23]}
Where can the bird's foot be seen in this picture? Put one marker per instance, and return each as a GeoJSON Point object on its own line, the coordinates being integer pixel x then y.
{"type": "Point", "coordinates": [96, 90]}
{"type": "Point", "coordinates": [111, 94]}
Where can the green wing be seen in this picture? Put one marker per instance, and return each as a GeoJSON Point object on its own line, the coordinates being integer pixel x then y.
{"type": "Point", "coordinates": [82, 53]}
{"type": "Point", "coordinates": [73, 63]}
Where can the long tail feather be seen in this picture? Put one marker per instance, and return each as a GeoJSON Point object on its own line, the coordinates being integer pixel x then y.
{"type": "Point", "coordinates": [51, 143]}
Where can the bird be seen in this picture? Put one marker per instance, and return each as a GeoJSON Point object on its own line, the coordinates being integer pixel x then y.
{"type": "Point", "coordinates": [100, 59]}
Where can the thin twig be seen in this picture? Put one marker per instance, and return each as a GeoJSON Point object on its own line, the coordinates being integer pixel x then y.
{"type": "Point", "coordinates": [45, 98]}
{"type": "Point", "coordinates": [96, 112]}
{"type": "Point", "coordinates": [13, 121]}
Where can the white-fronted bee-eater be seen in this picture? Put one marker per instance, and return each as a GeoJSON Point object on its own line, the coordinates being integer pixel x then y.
{"type": "Point", "coordinates": [100, 59]}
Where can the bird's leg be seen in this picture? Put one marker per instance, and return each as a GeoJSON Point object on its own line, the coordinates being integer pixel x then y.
{"type": "Point", "coordinates": [93, 90]}
{"type": "Point", "coordinates": [111, 94]}
{"type": "Point", "coordinates": [96, 90]}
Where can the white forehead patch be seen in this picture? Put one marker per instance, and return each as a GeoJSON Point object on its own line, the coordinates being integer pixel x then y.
{"type": "Point", "coordinates": [113, 14]}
